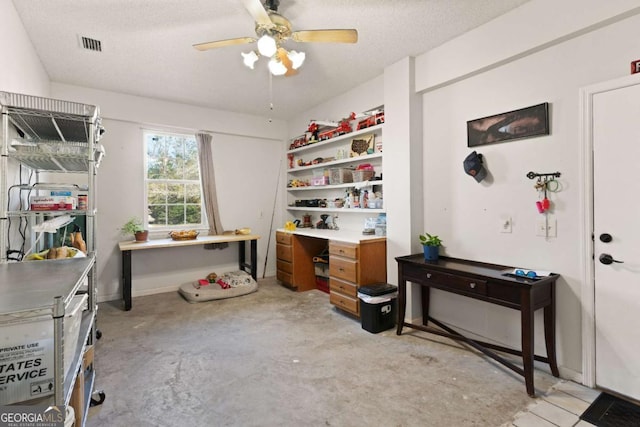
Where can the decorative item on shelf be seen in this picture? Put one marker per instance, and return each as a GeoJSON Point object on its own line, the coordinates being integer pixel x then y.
{"type": "Point", "coordinates": [431, 246]}
{"type": "Point", "coordinates": [184, 235]}
{"type": "Point", "coordinates": [135, 227]}
{"type": "Point", "coordinates": [244, 231]}
{"type": "Point", "coordinates": [375, 117]}
{"type": "Point", "coordinates": [363, 172]}
{"type": "Point", "coordinates": [363, 144]}
{"type": "Point", "coordinates": [313, 130]}
{"type": "Point", "coordinates": [306, 221]}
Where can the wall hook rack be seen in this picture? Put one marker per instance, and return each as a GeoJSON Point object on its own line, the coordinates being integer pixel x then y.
{"type": "Point", "coordinates": [532, 175]}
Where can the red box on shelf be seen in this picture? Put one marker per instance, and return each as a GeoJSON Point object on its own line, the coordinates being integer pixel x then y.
{"type": "Point", "coordinates": [322, 284]}
{"type": "Point", "coordinates": [52, 203]}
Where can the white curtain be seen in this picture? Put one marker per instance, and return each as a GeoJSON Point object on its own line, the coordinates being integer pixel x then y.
{"type": "Point", "coordinates": [208, 180]}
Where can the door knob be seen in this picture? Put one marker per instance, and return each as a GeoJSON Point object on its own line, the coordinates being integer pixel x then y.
{"type": "Point", "coordinates": [606, 238]}
{"type": "Point", "coordinates": [607, 259]}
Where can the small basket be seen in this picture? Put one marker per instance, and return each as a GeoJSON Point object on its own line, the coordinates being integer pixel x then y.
{"type": "Point", "coordinates": [362, 175]}
{"type": "Point", "coordinates": [184, 235]}
{"type": "Point", "coordinates": [340, 176]}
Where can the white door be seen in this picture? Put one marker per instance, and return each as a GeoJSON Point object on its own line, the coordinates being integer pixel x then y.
{"type": "Point", "coordinates": [616, 197]}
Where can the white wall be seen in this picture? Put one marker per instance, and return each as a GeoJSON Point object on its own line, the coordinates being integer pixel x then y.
{"type": "Point", "coordinates": [21, 69]}
{"type": "Point", "coordinates": [467, 215]}
{"type": "Point", "coordinates": [247, 150]}
{"type": "Point", "coordinates": [21, 72]}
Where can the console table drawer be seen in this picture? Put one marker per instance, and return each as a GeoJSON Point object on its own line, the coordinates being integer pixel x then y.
{"type": "Point", "coordinates": [452, 282]}
{"type": "Point", "coordinates": [343, 287]}
{"type": "Point", "coordinates": [343, 269]}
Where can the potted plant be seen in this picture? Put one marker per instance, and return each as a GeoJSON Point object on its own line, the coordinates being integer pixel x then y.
{"type": "Point", "coordinates": [135, 227]}
{"type": "Point", "coordinates": [431, 245]}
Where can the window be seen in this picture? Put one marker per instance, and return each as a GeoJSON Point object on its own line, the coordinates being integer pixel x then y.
{"type": "Point", "coordinates": [172, 181]}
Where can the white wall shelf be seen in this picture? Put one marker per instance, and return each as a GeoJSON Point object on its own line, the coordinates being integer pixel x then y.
{"type": "Point", "coordinates": [360, 184]}
{"type": "Point", "coordinates": [348, 160]}
{"type": "Point", "coordinates": [336, 151]}
{"type": "Point", "coordinates": [346, 136]}
{"type": "Point", "coordinates": [341, 210]}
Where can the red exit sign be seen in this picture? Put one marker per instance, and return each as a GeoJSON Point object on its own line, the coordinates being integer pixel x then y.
{"type": "Point", "coordinates": [635, 66]}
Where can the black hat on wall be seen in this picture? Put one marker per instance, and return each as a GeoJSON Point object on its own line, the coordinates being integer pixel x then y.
{"type": "Point", "coordinates": [473, 166]}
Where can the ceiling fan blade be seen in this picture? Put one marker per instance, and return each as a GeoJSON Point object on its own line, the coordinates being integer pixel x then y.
{"type": "Point", "coordinates": [223, 43]}
{"type": "Point", "coordinates": [326, 36]}
{"type": "Point", "coordinates": [284, 58]}
{"type": "Point", "coordinates": [258, 12]}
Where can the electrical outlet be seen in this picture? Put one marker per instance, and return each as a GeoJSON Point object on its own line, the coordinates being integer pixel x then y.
{"type": "Point", "coordinates": [552, 228]}
{"type": "Point", "coordinates": [505, 224]}
{"type": "Point", "coordinates": [546, 227]}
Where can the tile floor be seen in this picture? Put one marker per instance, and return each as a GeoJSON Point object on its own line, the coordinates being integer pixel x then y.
{"type": "Point", "coordinates": [561, 406]}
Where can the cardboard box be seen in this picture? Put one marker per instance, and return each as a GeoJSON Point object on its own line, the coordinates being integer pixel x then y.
{"type": "Point", "coordinates": [26, 353]}
{"type": "Point", "coordinates": [52, 203]}
{"type": "Point", "coordinates": [87, 358]}
{"type": "Point", "coordinates": [77, 398]}
{"type": "Point", "coordinates": [78, 394]}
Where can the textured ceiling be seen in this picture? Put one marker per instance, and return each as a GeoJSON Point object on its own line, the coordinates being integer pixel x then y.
{"type": "Point", "coordinates": [147, 46]}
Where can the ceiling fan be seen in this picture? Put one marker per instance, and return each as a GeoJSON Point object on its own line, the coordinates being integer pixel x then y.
{"type": "Point", "coordinates": [272, 30]}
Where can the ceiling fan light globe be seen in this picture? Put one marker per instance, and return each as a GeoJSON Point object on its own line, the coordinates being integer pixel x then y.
{"type": "Point", "coordinates": [267, 46]}
{"type": "Point", "coordinates": [249, 59]}
{"type": "Point", "coordinates": [297, 59]}
{"type": "Point", "coordinates": [276, 67]}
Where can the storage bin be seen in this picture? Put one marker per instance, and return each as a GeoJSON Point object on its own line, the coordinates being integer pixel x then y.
{"type": "Point", "coordinates": [362, 175]}
{"type": "Point", "coordinates": [340, 176]}
{"type": "Point", "coordinates": [26, 351]}
{"type": "Point", "coordinates": [378, 307]}
{"type": "Point", "coordinates": [319, 180]}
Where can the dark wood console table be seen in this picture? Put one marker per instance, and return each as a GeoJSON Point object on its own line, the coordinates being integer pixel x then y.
{"type": "Point", "coordinates": [486, 282]}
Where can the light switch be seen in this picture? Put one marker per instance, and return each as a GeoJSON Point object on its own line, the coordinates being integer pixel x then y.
{"type": "Point", "coordinates": [505, 224]}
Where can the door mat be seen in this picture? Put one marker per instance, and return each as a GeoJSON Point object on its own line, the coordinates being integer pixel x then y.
{"type": "Point", "coordinates": [611, 411]}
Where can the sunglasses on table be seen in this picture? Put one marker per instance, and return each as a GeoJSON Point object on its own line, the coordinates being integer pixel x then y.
{"type": "Point", "coordinates": [530, 274]}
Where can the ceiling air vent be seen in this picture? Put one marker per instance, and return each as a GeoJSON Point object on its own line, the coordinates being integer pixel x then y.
{"type": "Point", "coordinates": [91, 44]}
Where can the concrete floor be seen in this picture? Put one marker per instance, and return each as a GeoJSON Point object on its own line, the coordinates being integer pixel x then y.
{"type": "Point", "coordinates": [281, 358]}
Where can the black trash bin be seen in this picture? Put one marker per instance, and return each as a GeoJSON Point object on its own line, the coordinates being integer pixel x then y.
{"type": "Point", "coordinates": [378, 307]}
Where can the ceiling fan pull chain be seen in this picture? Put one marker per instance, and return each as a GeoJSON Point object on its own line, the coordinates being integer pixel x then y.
{"type": "Point", "coordinates": [270, 93]}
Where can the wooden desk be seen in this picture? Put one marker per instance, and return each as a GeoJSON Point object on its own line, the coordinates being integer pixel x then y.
{"type": "Point", "coordinates": [485, 282]}
{"type": "Point", "coordinates": [127, 247]}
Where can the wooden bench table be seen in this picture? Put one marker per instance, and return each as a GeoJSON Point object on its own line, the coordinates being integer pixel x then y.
{"type": "Point", "coordinates": [129, 246]}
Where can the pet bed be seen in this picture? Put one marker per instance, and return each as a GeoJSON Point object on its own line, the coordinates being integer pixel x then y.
{"type": "Point", "coordinates": [227, 285]}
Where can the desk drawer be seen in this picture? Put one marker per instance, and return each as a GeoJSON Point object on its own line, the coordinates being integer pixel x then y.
{"type": "Point", "coordinates": [284, 238]}
{"type": "Point", "coordinates": [284, 277]}
{"type": "Point", "coordinates": [284, 252]}
{"type": "Point", "coordinates": [343, 269]}
{"type": "Point", "coordinates": [284, 266]}
{"type": "Point", "coordinates": [452, 282]}
{"type": "Point", "coordinates": [344, 302]}
{"type": "Point", "coordinates": [347, 250]}
{"type": "Point", "coordinates": [343, 287]}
